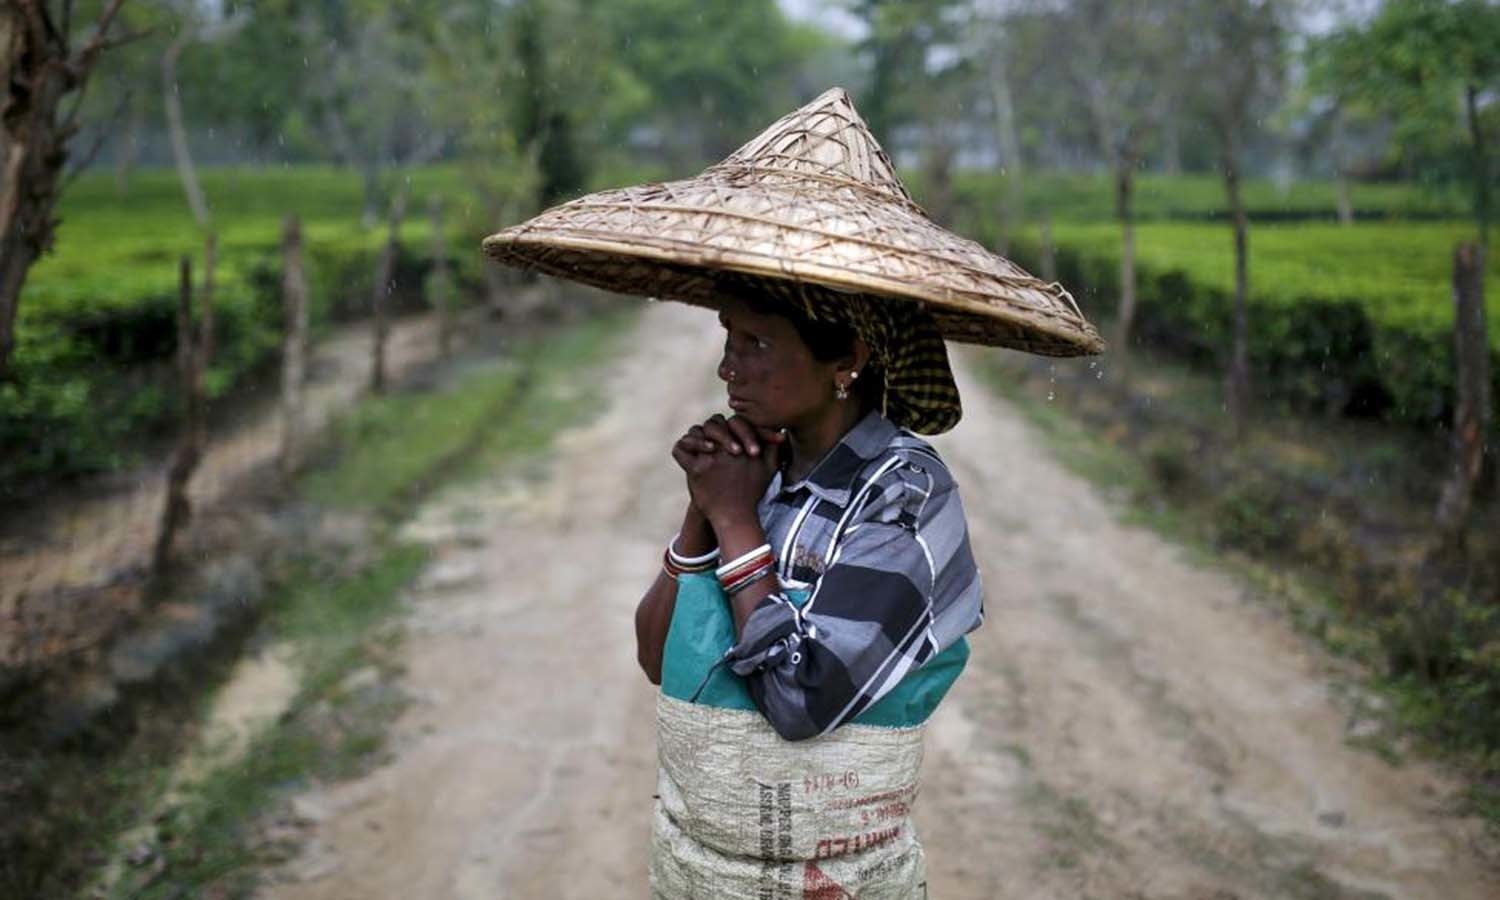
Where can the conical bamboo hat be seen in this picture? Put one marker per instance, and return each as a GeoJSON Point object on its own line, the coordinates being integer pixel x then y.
{"type": "Point", "coordinates": [814, 199]}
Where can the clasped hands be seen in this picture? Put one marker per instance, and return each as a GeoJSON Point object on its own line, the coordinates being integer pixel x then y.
{"type": "Point", "coordinates": [728, 463]}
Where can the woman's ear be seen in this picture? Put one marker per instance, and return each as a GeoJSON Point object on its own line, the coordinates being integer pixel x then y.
{"type": "Point", "coordinates": [857, 358]}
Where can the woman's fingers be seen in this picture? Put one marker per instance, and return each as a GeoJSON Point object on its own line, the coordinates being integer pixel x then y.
{"type": "Point", "coordinates": [745, 433]}
{"type": "Point", "coordinates": [689, 460]}
{"type": "Point", "coordinates": [718, 431]}
{"type": "Point", "coordinates": [737, 435]}
{"type": "Point", "coordinates": [699, 440]}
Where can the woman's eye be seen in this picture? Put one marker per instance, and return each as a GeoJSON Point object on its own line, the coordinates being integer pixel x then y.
{"type": "Point", "coordinates": [746, 340]}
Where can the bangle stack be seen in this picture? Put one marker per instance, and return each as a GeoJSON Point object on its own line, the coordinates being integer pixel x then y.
{"type": "Point", "coordinates": [740, 573]}
{"type": "Point", "coordinates": [676, 564]}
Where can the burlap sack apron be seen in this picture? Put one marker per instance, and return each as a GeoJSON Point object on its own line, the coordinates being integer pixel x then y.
{"type": "Point", "coordinates": [742, 813]}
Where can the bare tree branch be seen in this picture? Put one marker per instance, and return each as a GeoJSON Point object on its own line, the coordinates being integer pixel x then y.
{"type": "Point", "coordinates": [96, 43]}
{"type": "Point", "coordinates": [80, 167]}
{"type": "Point", "coordinates": [82, 77]}
{"type": "Point", "coordinates": [428, 150]}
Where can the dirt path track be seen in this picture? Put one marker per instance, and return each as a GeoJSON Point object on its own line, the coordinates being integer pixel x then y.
{"type": "Point", "coordinates": [1129, 726]}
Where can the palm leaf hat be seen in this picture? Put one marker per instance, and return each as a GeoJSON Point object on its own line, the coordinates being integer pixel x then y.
{"type": "Point", "coordinates": [811, 212]}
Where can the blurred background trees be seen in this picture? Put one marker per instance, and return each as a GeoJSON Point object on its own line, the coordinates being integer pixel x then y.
{"type": "Point", "coordinates": [1024, 123]}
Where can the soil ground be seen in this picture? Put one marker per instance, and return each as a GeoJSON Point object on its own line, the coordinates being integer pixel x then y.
{"type": "Point", "coordinates": [1132, 723]}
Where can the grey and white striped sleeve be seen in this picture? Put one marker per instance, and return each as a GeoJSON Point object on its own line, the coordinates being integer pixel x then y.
{"type": "Point", "coordinates": [901, 587]}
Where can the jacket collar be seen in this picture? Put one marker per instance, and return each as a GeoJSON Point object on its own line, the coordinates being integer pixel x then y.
{"type": "Point", "coordinates": [832, 478]}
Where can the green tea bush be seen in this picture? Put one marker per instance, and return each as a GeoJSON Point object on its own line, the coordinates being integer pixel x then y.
{"type": "Point", "coordinates": [1072, 197]}
{"type": "Point", "coordinates": [1342, 320]}
{"type": "Point", "coordinates": [93, 377]}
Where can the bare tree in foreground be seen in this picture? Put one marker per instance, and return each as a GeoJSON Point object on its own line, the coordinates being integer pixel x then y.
{"type": "Point", "coordinates": [39, 69]}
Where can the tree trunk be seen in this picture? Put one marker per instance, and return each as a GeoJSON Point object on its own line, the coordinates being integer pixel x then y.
{"type": "Point", "coordinates": [186, 173]}
{"type": "Point", "coordinates": [37, 69]}
{"type": "Point", "coordinates": [294, 346]}
{"type": "Point", "coordinates": [1481, 165]}
{"type": "Point", "coordinates": [1341, 175]}
{"type": "Point", "coordinates": [1049, 250]}
{"type": "Point", "coordinates": [206, 321]}
{"type": "Point", "coordinates": [1125, 312]}
{"type": "Point", "coordinates": [369, 181]}
{"type": "Point", "coordinates": [1172, 144]}
{"type": "Point", "coordinates": [17, 253]}
{"type": "Point", "coordinates": [1013, 213]}
{"type": "Point", "coordinates": [937, 171]}
{"type": "Point", "coordinates": [1472, 411]}
{"type": "Point", "coordinates": [1238, 386]}
{"type": "Point", "coordinates": [32, 155]}
{"type": "Point", "coordinates": [442, 281]}
{"type": "Point", "coordinates": [1344, 199]}
{"type": "Point", "coordinates": [384, 284]}
{"type": "Point", "coordinates": [496, 288]}
{"type": "Point", "coordinates": [130, 148]}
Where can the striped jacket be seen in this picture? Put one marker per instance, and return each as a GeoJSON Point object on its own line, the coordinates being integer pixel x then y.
{"type": "Point", "coordinates": [877, 534]}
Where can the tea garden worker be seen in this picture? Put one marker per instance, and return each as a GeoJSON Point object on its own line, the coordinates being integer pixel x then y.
{"type": "Point", "coordinates": [810, 614]}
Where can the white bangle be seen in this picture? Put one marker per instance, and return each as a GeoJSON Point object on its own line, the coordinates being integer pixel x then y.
{"type": "Point", "coordinates": [681, 560]}
{"type": "Point", "coordinates": [741, 560]}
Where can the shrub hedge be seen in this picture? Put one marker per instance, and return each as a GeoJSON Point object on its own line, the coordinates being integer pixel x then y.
{"type": "Point", "coordinates": [1089, 197]}
{"type": "Point", "coordinates": [92, 370]}
{"type": "Point", "coordinates": [1351, 321]}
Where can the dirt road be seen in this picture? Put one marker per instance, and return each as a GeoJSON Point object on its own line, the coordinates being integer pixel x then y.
{"type": "Point", "coordinates": [1129, 725]}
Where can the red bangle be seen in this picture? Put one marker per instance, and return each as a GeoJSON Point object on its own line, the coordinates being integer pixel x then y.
{"type": "Point", "coordinates": [736, 575]}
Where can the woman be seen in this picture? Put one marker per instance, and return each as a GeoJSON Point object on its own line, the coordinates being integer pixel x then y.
{"type": "Point", "coordinates": [810, 612]}
{"type": "Point", "coordinates": [804, 421]}
{"type": "Point", "coordinates": [859, 579]}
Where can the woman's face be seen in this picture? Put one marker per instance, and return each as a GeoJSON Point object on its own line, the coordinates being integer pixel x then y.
{"type": "Point", "coordinates": [772, 377]}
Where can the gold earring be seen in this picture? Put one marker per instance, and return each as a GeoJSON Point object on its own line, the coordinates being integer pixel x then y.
{"type": "Point", "coordinates": [841, 391]}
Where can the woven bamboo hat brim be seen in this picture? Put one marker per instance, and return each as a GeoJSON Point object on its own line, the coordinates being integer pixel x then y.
{"type": "Point", "coordinates": [813, 199]}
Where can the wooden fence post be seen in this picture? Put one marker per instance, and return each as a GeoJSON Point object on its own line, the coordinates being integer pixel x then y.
{"type": "Point", "coordinates": [1472, 409]}
{"type": "Point", "coordinates": [294, 346]}
{"type": "Point", "coordinates": [194, 349]}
